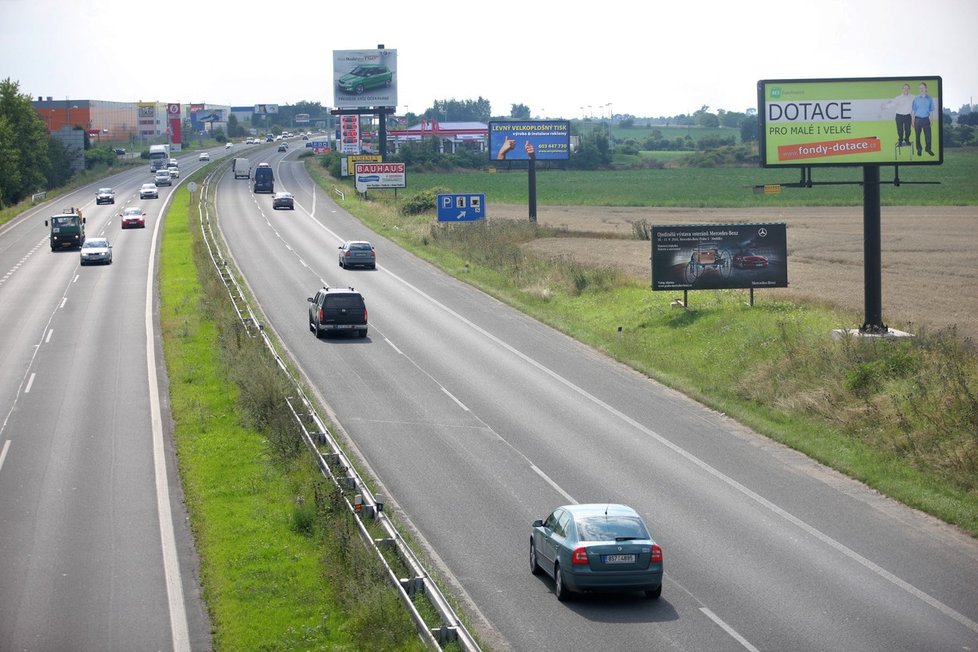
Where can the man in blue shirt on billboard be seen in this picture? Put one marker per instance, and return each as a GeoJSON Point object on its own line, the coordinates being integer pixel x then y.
{"type": "Point", "coordinates": [923, 108]}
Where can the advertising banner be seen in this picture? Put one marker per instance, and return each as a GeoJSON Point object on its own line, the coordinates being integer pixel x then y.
{"type": "Point", "coordinates": [173, 124]}
{"type": "Point", "coordinates": [529, 139]}
{"type": "Point", "coordinates": [348, 134]}
{"type": "Point", "coordinates": [363, 78]}
{"type": "Point", "coordinates": [266, 109]}
{"type": "Point", "coordinates": [837, 122]}
{"type": "Point", "coordinates": [379, 175]}
{"type": "Point", "coordinates": [719, 256]}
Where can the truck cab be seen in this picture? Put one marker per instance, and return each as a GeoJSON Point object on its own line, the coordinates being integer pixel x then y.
{"type": "Point", "coordinates": [67, 230]}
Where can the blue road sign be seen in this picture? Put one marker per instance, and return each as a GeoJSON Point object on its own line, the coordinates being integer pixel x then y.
{"type": "Point", "coordinates": [466, 207]}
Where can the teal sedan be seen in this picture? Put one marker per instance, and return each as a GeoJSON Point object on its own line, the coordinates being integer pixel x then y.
{"type": "Point", "coordinates": [599, 547]}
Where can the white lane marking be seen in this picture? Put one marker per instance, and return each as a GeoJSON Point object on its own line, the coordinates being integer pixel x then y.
{"type": "Point", "coordinates": [30, 383]}
{"type": "Point", "coordinates": [63, 302]}
{"type": "Point", "coordinates": [457, 402]}
{"type": "Point", "coordinates": [729, 630]}
{"type": "Point", "coordinates": [393, 346]}
{"type": "Point", "coordinates": [179, 630]}
{"type": "Point", "coordinates": [557, 488]}
{"type": "Point", "coordinates": [3, 453]}
{"type": "Point", "coordinates": [47, 340]}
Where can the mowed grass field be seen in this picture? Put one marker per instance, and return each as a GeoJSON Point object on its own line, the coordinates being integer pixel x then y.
{"type": "Point", "coordinates": [955, 183]}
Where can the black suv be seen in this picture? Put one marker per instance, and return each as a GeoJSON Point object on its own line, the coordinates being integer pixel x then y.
{"type": "Point", "coordinates": [336, 310]}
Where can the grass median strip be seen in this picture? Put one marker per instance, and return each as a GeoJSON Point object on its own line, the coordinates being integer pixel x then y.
{"type": "Point", "coordinates": [281, 567]}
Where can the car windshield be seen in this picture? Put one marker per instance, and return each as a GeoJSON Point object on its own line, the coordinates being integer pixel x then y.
{"type": "Point", "coordinates": [64, 221]}
{"type": "Point", "coordinates": [95, 243]}
{"type": "Point", "coordinates": [610, 528]}
{"type": "Point", "coordinates": [133, 211]}
{"type": "Point", "coordinates": [360, 246]}
{"type": "Point", "coordinates": [344, 302]}
{"type": "Point", "coordinates": [105, 190]}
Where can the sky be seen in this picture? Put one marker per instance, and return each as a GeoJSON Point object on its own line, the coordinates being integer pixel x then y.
{"type": "Point", "coordinates": [562, 60]}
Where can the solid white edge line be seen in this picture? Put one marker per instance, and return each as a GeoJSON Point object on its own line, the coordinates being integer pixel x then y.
{"type": "Point", "coordinates": [179, 629]}
{"type": "Point", "coordinates": [729, 630]}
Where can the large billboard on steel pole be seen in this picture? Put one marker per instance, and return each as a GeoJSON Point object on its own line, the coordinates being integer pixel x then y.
{"type": "Point", "coordinates": [364, 78]}
{"type": "Point", "coordinates": [837, 122]}
{"type": "Point", "coordinates": [522, 140]}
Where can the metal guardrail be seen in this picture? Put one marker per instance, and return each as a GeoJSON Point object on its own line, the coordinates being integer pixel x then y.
{"type": "Point", "coordinates": [39, 195]}
{"type": "Point", "coordinates": [335, 466]}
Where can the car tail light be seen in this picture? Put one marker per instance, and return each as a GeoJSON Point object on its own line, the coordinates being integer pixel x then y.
{"type": "Point", "coordinates": [322, 314]}
{"type": "Point", "coordinates": [656, 557]}
{"type": "Point", "coordinates": [346, 254]}
{"type": "Point", "coordinates": [579, 556]}
{"type": "Point", "coordinates": [364, 315]}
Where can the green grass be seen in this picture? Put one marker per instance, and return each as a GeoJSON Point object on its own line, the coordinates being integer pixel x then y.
{"type": "Point", "coordinates": [282, 567]}
{"type": "Point", "coordinates": [714, 187]}
{"type": "Point", "coordinates": [900, 416]}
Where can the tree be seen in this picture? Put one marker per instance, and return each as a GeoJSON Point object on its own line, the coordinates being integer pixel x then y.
{"type": "Point", "coordinates": [519, 111]}
{"type": "Point", "coordinates": [22, 140]}
{"type": "Point", "coordinates": [748, 129]}
{"type": "Point", "coordinates": [459, 111]}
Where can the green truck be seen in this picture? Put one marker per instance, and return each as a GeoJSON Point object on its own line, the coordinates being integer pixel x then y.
{"type": "Point", "coordinates": [67, 229]}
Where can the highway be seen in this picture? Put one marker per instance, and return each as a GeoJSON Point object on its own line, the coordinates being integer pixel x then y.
{"type": "Point", "coordinates": [95, 552]}
{"type": "Point", "coordinates": [473, 418]}
{"type": "Point", "coordinates": [476, 420]}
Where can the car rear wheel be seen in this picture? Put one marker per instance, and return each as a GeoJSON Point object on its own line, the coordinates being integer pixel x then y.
{"type": "Point", "coordinates": [654, 593]}
{"type": "Point", "coordinates": [534, 566]}
{"type": "Point", "coordinates": [562, 592]}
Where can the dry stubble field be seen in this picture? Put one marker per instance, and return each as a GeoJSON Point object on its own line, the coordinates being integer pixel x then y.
{"type": "Point", "coordinates": [929, 254]}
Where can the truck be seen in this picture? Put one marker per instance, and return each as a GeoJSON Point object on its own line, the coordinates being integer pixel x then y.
{"type": "Point", "coordinates": [67, 229]}
{"type": "Point", "coordinates": [264, 179]}
{"type": "Point", "coordinates": [242, 168]}
{"type": "Point", "coordinates": [159, 156]}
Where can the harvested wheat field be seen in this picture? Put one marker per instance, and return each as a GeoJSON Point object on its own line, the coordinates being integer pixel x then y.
{"type": "Point", "coordinates": [929, 254]}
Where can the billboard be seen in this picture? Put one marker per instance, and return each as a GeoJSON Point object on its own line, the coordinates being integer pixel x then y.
{"type": "Point", "coordinates": [266, 109]}
{"type": "Point", "coordinates": [523, 140]}
{"type": "Point", "coordinates": [719, 256]}
{"type": "Point", "coordinates": [363, 78]}
{"type": "Point", "coordinates": [834, 122]}
{"type": "Point", "coordinates": [173, 126]}
{"type": "Point", "coordinates": [379, 175]}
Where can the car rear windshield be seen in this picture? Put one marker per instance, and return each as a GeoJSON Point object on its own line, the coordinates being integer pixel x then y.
{"type": "Point", "coordinates": [344, 302]}
{"type": "Point", "coordinates": [609, 528]}
{"type": "Point", "coordinates": [360, 247]}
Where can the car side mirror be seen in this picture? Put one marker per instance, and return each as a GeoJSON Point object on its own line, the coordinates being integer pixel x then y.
{"type": "Point", "coordinates": [538, 523]}
{"type": "Point", "coordinates": [309, 299]}
{"type": "Point", "coordinates": [45, 222]}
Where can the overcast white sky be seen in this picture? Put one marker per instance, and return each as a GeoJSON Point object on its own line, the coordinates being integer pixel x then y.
{"type": "Point", "coordinates": [561, 59]}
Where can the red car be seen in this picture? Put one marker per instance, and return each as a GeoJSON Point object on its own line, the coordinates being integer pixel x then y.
{"type": "Point", "coordinates": [747, 260]}
{"type": "Point", "coordinates": [133, 218]}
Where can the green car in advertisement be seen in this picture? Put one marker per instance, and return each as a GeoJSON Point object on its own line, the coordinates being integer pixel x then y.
{"type": "Point", "coordinates": [364, 77]}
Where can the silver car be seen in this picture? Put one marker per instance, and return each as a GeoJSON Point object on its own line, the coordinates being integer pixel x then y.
{"type": "Point", "coordinates": [358, 253]}
{"type": "Point", "coordinates": [149, 191]}
{"type": "Point", "coordinates": [96, 251]}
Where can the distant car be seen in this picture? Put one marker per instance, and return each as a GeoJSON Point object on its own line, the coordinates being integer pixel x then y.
{"type": "Point", "coordinates": [269, 138]}
{"type": "Point", "coordinates": [597, 547]}
{"type": "Point", "coordinates": [204, 156]}
{"type": "Point", "coordinates": [228, 145]}
{"type": "Point", "coordinates": [283, 200]}
{"type": "Point", "coordinates": [133, 217]}
{"type": "Point", "coordinates": [337, 310]}
{"type": "Point", "coordinates": [748, 260]}
{"type": "Point", "coordinates": [105, 196]}
{"type": "Point", "coordinates": [173, 163]}
{"type": "Point", "coordinates": [365, 77]}
{"type": "Point", "coordinates": [358, 253]}
{"type": "Point", "coordinates": [163, 177]}
{"type": "Point", "coordinates": [149, 191]}
{"type": "Point", "coordinates": [283, 147]}
{"type": "Point", "coordinates": [174, 173]}
{"type": "Point", "coordinates": [96, 250]}
{"type": "Point", "coordinates": [120, 151]}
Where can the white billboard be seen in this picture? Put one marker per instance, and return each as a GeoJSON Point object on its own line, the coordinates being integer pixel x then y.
{"type": "Point", "coordinates": [364, 78]}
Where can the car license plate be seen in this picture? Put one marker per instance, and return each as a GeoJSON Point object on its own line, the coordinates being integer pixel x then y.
{"type": "Point", "coordinates": [344, 326]}
{"type": "Point", "coordinates": [619, 559]}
